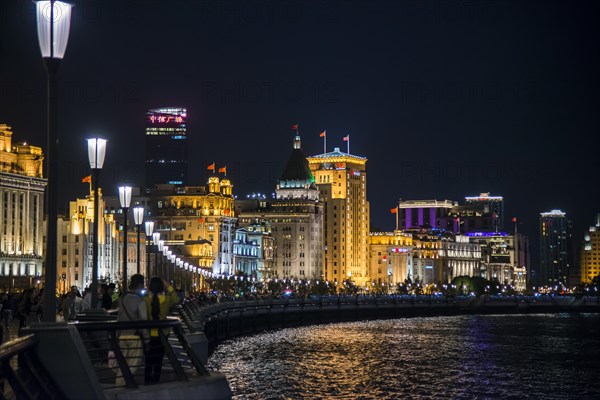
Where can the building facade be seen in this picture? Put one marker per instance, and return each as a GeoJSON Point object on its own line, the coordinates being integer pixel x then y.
{"type": "Point", "coordinates": [21, 212]}
{"type": "Point", "coordinates": [590, 254]}
{"type": "Point", "coordinates": [555, 236]}
{"type": "Point", "coordinates": [491, 213]}
{"type": "Point", "coordinates": [342, 183]}
{"type": "Point", "coordinates": [427, 214]}
{"type": "Point", "coordinates": [166, 146]}
{"type": "Point", "coordinates": [390, 257]}
{"type": "Point", "coordinates": [75, 246]}
{"type": "Point", "coordinates": [295, 219]}
{"type": "Point", "coordinates": [193, 213]}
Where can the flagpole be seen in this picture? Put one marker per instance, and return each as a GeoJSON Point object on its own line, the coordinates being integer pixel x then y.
{"type": "Point", "coordinates": [397, 211]}
{"type": "Point", "coordinates": [325, 143]}
{"type": "Point", "coordinates": [348, 143]}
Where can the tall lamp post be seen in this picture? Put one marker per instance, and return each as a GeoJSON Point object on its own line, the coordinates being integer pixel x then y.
{"type": "Point", "coordinates": [53, 25]}
{"type": "Point", "coordinates": [96, 154]}
{"type": "Point", "coordinates": [125, 200]}
{"type": "Point", "coordinates": [149, 228]}
{"type": "Point", "coordinates": [138, 218]}
{"type": "Point", "coordinates": [156, 248]}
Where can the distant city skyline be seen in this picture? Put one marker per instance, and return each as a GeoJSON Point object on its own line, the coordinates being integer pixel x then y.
{"type": "Point", "coordinates": [439, 111]}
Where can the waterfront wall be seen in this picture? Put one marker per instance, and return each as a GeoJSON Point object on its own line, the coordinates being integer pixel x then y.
{"type": "Point", "coordinates": [226, 320]}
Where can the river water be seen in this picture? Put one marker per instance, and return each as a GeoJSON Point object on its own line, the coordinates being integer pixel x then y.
{"type": "Point", "coordinates": [552, 356]}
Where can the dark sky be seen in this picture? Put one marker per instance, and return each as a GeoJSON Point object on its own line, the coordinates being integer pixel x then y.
{"type": "Point", "coordinates": [445, 98]}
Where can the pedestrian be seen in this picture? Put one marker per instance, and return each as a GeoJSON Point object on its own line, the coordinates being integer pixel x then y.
{"type": "Point", "coordinates": [159, 300]}
{"type": "Point", "coordinates": [132, 308]}
{"type": "Point", "coordinates": [7, 309]}
{"type": "Point", "coordinates": [107, 292]}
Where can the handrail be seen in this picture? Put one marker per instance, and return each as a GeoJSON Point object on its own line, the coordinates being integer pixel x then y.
{"type": "Point", "coordinates": [31, 380]}
{"type": "Point", "coordinates": [110, 337]}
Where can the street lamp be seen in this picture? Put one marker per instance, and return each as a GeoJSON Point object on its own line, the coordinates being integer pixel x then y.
{"type": "Point", "coordinates": [156, 248]}
{"type": "Point", "coordinates": [149, 229]}
{"type": "Point", "coordinates": [138, 218]}
{"type": "Point", "coordinates": [125, 200]}
{"type": "Point", "coordinates": [53, 24]}
{"type": "Point", "coordinates": [96, 154]}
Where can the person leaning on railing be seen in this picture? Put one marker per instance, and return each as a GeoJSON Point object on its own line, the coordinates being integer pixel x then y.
{"type": "Point", "coordinates": [158, 304]}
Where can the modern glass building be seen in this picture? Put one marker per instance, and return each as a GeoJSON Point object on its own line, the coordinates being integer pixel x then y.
{"type": "Point", "coordinates": [166, 146]}
{"type": "Point", "coordinates": [555, 236]}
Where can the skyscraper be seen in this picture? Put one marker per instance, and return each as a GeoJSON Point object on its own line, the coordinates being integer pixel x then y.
{"type": "Point", "coordinates": [166, 146]}
{"type": "Point", "coordinates": [590, 260]}
{"type": "Point", "coordinates": [342, 182]}
{"type": "Point", "coordinates": [555, 232]}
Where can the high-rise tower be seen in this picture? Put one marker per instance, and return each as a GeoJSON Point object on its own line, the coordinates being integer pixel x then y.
{"type": "Point", "coordinates": [342, 182]}
{"type": "Point", "coordinates": [555, 235]}
{"type": "Point", "coordinates": [166, 146]}
{"type": "Point", "coordinates": [590, 260]}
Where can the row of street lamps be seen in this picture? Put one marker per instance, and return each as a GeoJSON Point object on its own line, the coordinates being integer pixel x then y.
{"type": "Point", "coordinates": [53, 26]}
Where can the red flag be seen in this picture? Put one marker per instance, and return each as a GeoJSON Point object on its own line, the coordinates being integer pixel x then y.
{"type": "Point", "coordinates": [295, 127]}
{"type": "Point", "coordinates": [87, 179]}
{"type": "Point", "coordinates": [223, 170]}
{"type": "Point", "coordinates": [211, 167]}
{"type": "Point", "coordinates": [514, 219]}
{"type": "Point", "coordinates": [323, 134]}
{"type": "Point", "coordinates": [394, 210]}
{"type": "Point", "coordinates": [346, 138]}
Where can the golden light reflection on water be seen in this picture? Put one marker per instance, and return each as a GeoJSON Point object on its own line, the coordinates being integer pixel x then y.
{"type": "Point", "coordinates": [442, 357]}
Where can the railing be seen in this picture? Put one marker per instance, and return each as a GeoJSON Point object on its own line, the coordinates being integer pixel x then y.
{"type": "Point", "coordinates": [123, 367]}
{"type": "Point", "coordinates": [28, 380]}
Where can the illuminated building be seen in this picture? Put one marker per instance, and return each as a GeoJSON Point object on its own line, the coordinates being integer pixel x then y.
{"type": "Point", "coordinates": [427, 214]}
{"type": "Point", "coordinates": [21, 211]}
{"type": "Point", "coordinates": [245, 254]}
{"type": "Point", "coordinates": [490, 216]}
{"type": "Point", "coordinates": [194, 213]}
{"type": "Point", "coordinates": [459, 257]}
{"type": "Point", "coordinates": [166, 146]}
{"type": "Point", "coordinates": [555, 235]}
{"type": "Point", "coordinates": [426, 262]}
{"type": "Point", "coordinates": [75, 246]}
{"type": "Point", "coordinates": [295, 218]}
{"type": "Point", "coordinates": [504, 257]}
{"type": "Point", "coordinates": [342, 183]}
{"type": "Point", "coordinates": [590, 254]}
{"type": "Point", "coordinates": [390, 257]}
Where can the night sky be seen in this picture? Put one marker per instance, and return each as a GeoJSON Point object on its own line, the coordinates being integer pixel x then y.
{"type": "Point", "coordinates": [445, 98]}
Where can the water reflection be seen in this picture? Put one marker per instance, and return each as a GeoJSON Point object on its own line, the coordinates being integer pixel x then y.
{"type": "Point", "coordinates": [522, 356]}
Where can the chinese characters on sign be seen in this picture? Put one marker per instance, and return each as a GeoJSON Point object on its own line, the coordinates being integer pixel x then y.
{"type": "Point", "coordinates": [164, 119]}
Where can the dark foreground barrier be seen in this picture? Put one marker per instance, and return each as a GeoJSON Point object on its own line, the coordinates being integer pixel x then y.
{"type": "Point", "coordinates": [85, 361]}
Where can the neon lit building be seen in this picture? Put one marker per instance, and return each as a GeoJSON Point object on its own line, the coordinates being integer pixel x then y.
{"type": "Point", "coordinates": [555, 235]}
{"type": "Point", "coordinates": [590, 254]}
{"type": "Point", "coordinates": [21, 211]}
{"type": "Point", "coordinates": [166, 146]}
{"type": "Point", "coordinates": [342, 182]}
{"type": "Point", "coordinates": [427, 214]}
